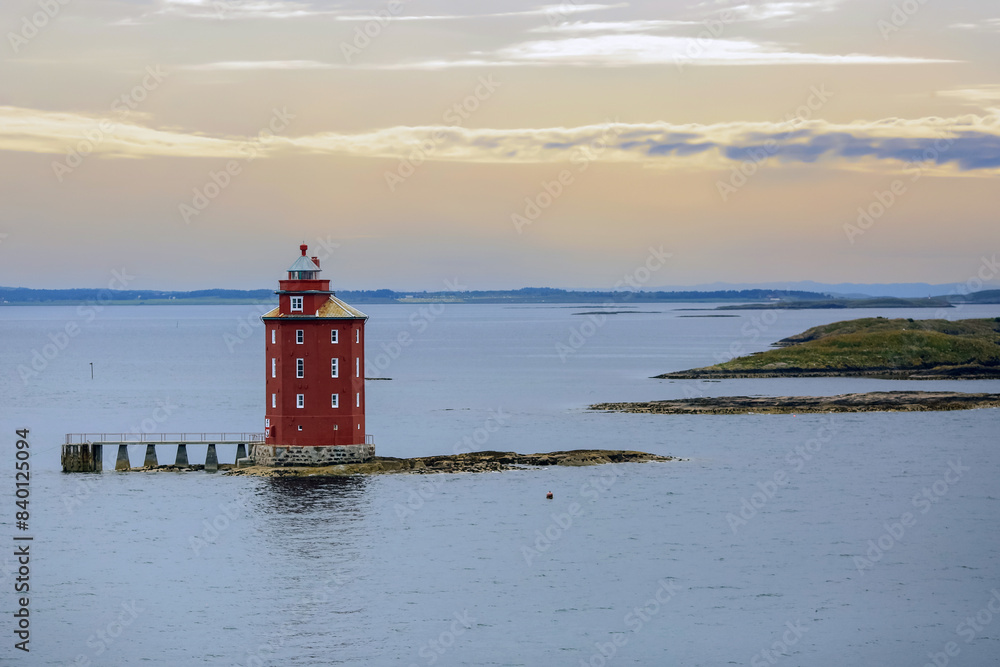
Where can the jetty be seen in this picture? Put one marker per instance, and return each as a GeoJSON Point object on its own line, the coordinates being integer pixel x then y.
{"type": "Point", "coordinates": [84, 452]}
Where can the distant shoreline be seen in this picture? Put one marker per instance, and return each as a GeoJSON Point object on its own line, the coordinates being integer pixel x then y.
{"type": "Point", "coordinates": [738, 298]}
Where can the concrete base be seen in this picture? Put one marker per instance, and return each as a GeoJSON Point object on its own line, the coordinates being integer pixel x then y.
{"type": "Point", "coordinates": [82, 458]}
{"type": "Point", "coordinates": [211, 460]}
{"type": "Point", "coordinates": [275, 455]}
{"type": "Point", "coordinates": [150, 459]}
{"type": "Point", "coordinates": [122, 462]}
{"type": "Point", "coordinates": [181, 461]}
{"type": "Point", "coordinates": [244, 462]}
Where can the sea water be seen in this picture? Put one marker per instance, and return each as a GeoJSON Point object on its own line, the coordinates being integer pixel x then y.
{"type": "Point", "coordinates": [839, 539]}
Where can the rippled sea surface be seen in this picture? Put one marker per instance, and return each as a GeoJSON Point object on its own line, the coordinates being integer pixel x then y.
{"type": "Point", "coordinates": [862, 539]}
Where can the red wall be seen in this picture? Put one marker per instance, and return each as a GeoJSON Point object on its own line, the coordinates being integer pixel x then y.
{"type": "Point", "coordinates": [310, 302]}
{"type": "Point", "coordinates": [321, 424]}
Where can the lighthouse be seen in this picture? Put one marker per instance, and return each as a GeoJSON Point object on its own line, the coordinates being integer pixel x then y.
{"type": "Point", "coordinates": [315, 383]}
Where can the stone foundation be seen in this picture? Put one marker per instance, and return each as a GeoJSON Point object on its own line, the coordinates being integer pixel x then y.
{"type": "Point", "coordinates": [82, 458]}
{"type": "Point", "coordinates": [276, 455]}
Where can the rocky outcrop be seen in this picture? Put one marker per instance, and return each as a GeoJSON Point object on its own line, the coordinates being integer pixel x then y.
{"type": "Point", "coordinates": [468, 462]}
{"type": "Point", "coordinates": [876, 401]}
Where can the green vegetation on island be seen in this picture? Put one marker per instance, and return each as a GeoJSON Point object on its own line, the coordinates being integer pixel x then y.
{"type": "Point", "coordinates": [875, 347]}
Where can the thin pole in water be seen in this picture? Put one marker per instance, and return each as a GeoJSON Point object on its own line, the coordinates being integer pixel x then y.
{"type": "Point", "coordinates": [91, 370]}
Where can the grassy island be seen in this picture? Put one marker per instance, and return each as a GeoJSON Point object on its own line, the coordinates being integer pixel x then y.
{"type": "Point", "coordinates": [874, 347]}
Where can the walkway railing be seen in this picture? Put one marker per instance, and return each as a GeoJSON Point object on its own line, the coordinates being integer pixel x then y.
{"type": "Point", "coordinates": [164, 438]}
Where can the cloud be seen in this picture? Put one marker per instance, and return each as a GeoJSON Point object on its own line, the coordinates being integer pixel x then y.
{"type": "Point", "coordinates": [624, 50]}
{"type": "Point", "coordinates": [628, 50]}
{"type": "Point", "coordinates": [788, 10]}
{"type": "Point", "coordinates": [639, 25]}
{"type": "Point", "coordinates": [33, 131]}
{"type": "Point", "coordinates": [968, 144]}
{"type": "Point", "coordinates": [775, 11]}
{"type": "Point", "coordinates": [261, 65]}
{"type": "Point", "coordinates": [986, 96]}
{"type": "Point", "coordinates": [991, 25]}
{"type": "Point", "coordinates": [236, 9]}
{"type": "Point", "coordinates": [613, 50]}
{"type": "Point", "coordinates": [553, 12]}
{"type": "Point", "coordinates": [217, 10]}
{"type": "Point", "coordinates": [610, 43]}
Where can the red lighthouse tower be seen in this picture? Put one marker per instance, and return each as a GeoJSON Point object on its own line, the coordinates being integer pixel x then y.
{"type": "Point", "coordinates": [315, 350]}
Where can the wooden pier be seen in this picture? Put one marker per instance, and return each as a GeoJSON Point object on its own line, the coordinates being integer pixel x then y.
{"type": "Point", "coordinates": [84, 452]}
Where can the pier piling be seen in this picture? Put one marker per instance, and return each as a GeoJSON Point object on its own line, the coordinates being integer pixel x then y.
{"type": "Point", "coordinates": [122, 462]}
{"type": "Point", "coordinates": [241, 452]}
{"type": "Point", "coordinates": [211, 460]}
{"type": "Point", "coordinates": [181, 461]}
{"type": "Point", "coordinates": [150, 460]}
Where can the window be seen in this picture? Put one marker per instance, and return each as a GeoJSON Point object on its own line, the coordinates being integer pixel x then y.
{"type": "Point", "coordinates": [357, 399]}
{"type": "Point", "coordinates": [334, 400]}
{"type": "Point", "coordinates": [357, 335]}
{"type": "Point", "coordinates": [300, 368]}
{"type": "Point", "coordinates": [357, 367]}
{"type": "Point", "coordinates": [300, 427]}
{"type": "Point", "coordinates": [274, 367]}
{"type": "Point", "coordinates": [273, 332]}
{"type": "Point", "coordinates": [300, 336]}
{"type": "Point", "coordinates": [296, 304]}
{"type": "Point", "coordinates": [300, 400]}
{"type": "Point", "coordinates": [333, 336]}
{"type": "Point", "coordinates": [267, 422]}
{"type": "Point", "coordinates": [274, 402]}
{"type": "Point", "coordinates": [335, 368]}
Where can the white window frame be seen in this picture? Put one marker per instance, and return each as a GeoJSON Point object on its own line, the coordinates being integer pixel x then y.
{"type": "Point", "coordinates": [300, 368]}
{"type": "Point", "coordinates": [273, 335]}
{"type": "Point", "coordinates": [334, 400]}
{"type": "Point", "coordinates": [274, 404]}
{"type": "Point", "coordinates": [300, 336]}
{"type": "Point", "coordinates": [357, 400]}
{"type": "Point", "coordinates": [274, 367]}
{"type": "Point", "coordinates": [300, 400]}
{"type": "Point", "coordinates": [296, 304]}
{"type": "Point", "coordinates": [357, 335]}
{"type": "Point", "coordinates": [334, 336]}
{"type": "Point", "coordinates": [357, 367]}
{"type": "Point", "coordinates": [335, 367]}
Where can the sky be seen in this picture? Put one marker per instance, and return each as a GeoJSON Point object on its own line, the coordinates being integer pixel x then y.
{"type": "Point", "coordinates": [435, 144]}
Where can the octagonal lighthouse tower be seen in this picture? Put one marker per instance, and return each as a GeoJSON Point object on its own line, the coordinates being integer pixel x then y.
{"type": "Point", "coordinates": [315, 351]}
